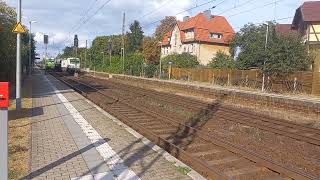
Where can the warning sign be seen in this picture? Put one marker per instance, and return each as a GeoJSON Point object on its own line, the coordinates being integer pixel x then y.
{"type": "Point", "coordinates": [19, 28]}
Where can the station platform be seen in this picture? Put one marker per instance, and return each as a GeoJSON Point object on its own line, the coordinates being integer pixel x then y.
{"type": "Point", "coordinates": [72, 138]}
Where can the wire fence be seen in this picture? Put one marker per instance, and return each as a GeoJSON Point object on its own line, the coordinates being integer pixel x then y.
{"type": "Point", "coordinates": [298, 82]}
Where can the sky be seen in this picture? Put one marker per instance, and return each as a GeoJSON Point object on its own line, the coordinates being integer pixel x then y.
{"type": "Point", "coordinates": [62, 19]}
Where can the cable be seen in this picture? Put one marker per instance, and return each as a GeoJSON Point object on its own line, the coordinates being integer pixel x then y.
{"type": "Point", "coordinates": [85, 14]}
{"type": "Point", "coordinates": [236, 7]}
{"type": "Point", "coordinates": [197, 6]}
{"type": "Point", "coordinates": [258, 7]}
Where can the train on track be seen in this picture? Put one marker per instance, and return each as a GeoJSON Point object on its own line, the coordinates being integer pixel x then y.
{"type": "Point", "coordinates": [69, 65]}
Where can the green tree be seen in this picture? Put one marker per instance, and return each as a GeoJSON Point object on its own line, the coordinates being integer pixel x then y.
{"type": "Point", "coordinates": [284, 53]}
{"type": "Point", "coordinates": [166, 25]}
{"type": "Point", "coordinates": [8, 44]}
{"type": "Point", "coordinates": [151, 50]}
{"type": "Point", "coordinates": [222, 61]}
{"type": "Point", "coordinates": [287, 54]}
{"type": "Point", "coordinates": [184, 60]}
{"type": "Point", "coordinates": [135, 37]}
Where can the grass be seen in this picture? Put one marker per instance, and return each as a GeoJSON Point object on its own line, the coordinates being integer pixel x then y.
{"type": "Point", "coordinates": [19, 135]}
{"type": "Point", "coordinates": [183, 170]}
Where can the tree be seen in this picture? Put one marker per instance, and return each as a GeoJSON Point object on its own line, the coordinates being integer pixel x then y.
{"type": "Point", "coordinates": [284, 53]}
{"type": "Point", "coordinates": [166, 25]}
{"type": "Point", "coordinates": [184, 60]}
{"type": "Point", "coordinates": [151, 50]}
{"type": "Point", "coordinates": [135, 37]}
{"type": "Point", "coordinates": [8, 44]}
{"type": "Point", "coordinates": [222, 61]}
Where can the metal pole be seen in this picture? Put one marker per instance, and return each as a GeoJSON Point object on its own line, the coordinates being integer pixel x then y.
{"type": "Point", "coordinates": [4, 143]}
{"type": "Point", "coordinates": [85, 54]}
{"type": "Point", "coordinates": [160, 71]}
{"type": "Point", "coordinates": [123, 31]}
{"type": "Point", "coordinates": [110, 56]}
{"type": "Point", "coordinates": [18, 66]}
{"type": "Point", "coordinates": [264, 62]}
{"type": "Point", "coordinates": [30, 47]}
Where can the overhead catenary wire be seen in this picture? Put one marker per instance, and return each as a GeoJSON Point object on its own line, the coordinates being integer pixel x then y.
{"type": "Point", "coordinates": [257, 7]}
{"type": "Point", "coordinates": [186, 10]}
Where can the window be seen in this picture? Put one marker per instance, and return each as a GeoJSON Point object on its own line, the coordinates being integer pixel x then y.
{"type": "Point", "coordinates": [215, 36]}
{"type": "Point", "coordinates": [189, 33]}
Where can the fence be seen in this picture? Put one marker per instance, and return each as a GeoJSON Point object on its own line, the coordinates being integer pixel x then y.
{"type": "Point", "coordinates": [299, 82]}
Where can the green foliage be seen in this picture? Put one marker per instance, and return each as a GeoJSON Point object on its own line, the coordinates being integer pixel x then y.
{"type": "Point", "coordinates": [184, 60]}
{"type": "Point", "coordinates": [284, 53]}
{"type": "Point", "coordinates": [222, 61]}
{"type": "Point", "coordinates": [135, 38]}
{"type": "Point", "coordinates": [150, 70]}
{"type": "Point", "coordinates": [8, 44]}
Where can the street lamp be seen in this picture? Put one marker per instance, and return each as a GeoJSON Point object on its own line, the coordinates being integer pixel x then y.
{"type": "Point", "coordinates": [30, 47]}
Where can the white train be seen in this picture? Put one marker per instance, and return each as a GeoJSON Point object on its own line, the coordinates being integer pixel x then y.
{"type": "Point", "coordinates": [70, 64]}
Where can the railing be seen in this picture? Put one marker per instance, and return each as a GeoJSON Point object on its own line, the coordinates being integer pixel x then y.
{"type": "Point", "coordinates": [298, 82]}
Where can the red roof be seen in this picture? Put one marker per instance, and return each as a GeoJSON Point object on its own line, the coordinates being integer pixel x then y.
{"type": "Point", "coordinates": [284, 28]}
{"type": "Point", "coordinates": [311, 11]}
{"type": "Point", "coordinates": [308, 12]}
{"type": "Point", "coordinates": [202, 27]}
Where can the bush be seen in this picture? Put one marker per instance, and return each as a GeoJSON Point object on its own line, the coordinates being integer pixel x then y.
{"type": "Point", "coordinates": [150, 70]}
{"type": "Point", "coordinates": [184, 60]}
{"type": "Point", "coordinates": [222, 61]}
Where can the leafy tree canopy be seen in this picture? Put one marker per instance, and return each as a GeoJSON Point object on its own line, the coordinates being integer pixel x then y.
{"type": "Point", "coordinates": [165, 26]}
{"type": "Point", "coordinates": [135, 37]}
{"type": "Point", "coordinates": [151, 50]}
{"type": "Point", "coordinates": [282, 53]}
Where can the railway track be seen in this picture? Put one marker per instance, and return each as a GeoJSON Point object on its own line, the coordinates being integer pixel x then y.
{"type": "Point", "coordinates": [212, 157]}
{"type": "Point", "coordinates": [228, 113]}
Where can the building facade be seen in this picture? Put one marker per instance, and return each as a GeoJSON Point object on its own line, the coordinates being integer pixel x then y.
{"type": "Point", "coordinates": [202, 35]}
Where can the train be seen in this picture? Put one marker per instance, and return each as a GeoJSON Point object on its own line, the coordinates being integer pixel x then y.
{"type": "Point", "coordinates": [69, 65]}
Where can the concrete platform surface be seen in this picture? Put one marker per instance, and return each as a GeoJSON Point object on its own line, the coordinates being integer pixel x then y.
{"type": "Point", "coordinates": [74, 139]}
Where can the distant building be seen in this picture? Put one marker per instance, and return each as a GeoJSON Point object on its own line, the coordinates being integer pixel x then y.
{"type": "Point", "coordinates": [202, 35]}
{"type": "Point", "coordinates": [306, 23]}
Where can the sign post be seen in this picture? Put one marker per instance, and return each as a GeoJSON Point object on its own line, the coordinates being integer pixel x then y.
{"type": "Point", "coordinates": [4, 103]}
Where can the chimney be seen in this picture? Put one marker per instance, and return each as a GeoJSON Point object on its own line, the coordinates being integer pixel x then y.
{"type": "Point", "coordinates": [207, 14]}
{"type": "Point", "coordinates": [185, 18]}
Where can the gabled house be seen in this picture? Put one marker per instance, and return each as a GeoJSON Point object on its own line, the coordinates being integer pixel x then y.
{"type": "Point", "coordinates": [202, 35]}
{"type": "Point", "coordinates": [306, 23]}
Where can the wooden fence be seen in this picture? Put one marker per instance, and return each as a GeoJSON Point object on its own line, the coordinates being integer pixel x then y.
{"type": "Point", "coordinates": [299, 82]}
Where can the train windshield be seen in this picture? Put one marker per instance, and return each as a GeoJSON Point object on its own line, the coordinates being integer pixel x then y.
{"type": "Point", "coordinates": [75, 60]}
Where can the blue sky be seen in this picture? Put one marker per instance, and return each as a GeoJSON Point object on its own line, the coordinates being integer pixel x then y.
{"type": "Point", "coordinates": [61, 19]}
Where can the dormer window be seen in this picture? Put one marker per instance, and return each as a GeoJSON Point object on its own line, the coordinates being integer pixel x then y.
{"type": "Point", "coordinates": [189, 33]}
{"type": "Point", "coordinates": [215, 35]}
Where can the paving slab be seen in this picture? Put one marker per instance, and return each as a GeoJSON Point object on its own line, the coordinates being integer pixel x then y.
{"type": "Point", "coordinates": [72, 138]}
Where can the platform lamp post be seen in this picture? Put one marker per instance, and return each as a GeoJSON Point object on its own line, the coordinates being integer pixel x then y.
{"type": "Point", "coordinates": [30, 47]}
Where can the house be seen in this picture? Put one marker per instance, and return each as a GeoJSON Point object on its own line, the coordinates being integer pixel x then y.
{"type": "Point", "coordinates": [202, 35]}
{"type": "Point", "coordinates": [306, 23]}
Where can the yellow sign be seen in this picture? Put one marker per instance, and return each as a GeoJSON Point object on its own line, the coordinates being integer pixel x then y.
{"type": "Point", "coordinates": [19, 28]}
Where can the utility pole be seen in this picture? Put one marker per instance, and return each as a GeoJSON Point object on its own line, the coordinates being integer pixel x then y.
{"type": "Point", "coordinates": [110, 51]}
{"type": "Point", "coordinates": [264, 62]}
{"type": "Point", "coordinates": [160, 68]}
{"type": "Point", "coordinates": [122, 49]}
{"type": "Point", "coordinates": [18, 66]}
{"type": "Point", "coordinates": [85, 54]}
